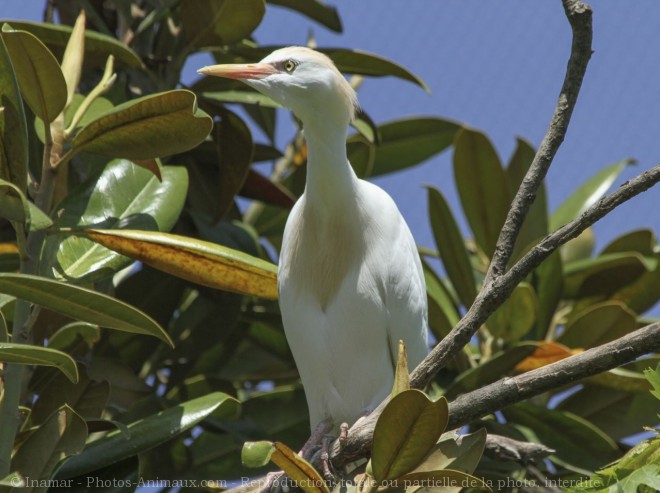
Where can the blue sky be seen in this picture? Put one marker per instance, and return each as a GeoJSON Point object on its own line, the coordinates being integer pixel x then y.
{"type": "Point", "coordinates": [498, 67]}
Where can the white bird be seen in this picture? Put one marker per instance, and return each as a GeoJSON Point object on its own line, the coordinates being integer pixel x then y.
{"type": "Point", "coordinates": [350, 279]}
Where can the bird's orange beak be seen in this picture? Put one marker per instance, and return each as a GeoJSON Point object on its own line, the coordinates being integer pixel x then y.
{"type": "Point", "coordinates": [239, 70]}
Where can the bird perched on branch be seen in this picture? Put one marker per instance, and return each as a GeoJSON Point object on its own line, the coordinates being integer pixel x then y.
{"type": "Point", "coordinates": [350, 279]}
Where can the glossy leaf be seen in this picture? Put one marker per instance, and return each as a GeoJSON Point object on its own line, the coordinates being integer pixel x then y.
{"type": "Point", "coordinates": [482, 187]}
{"type": "Point", "coordinates": [38, 73]}
{"type": "Point", "coordinates": [198, 261]}
{"type": "Point", "coordinates": [13, 127]}
{"type": "Point", "coordinates": [587, 194]}
{"type": "Point", "coordinates": [97, 46]}
{"type": "Point", "coordinates": [535, 225]}
{"type": "Point", "coordinates": [146, 434]}
{"type": "Point", "coordinates": [125, 196]}
{"type": "Point", "coordinates": [410, 141]}
{"type": "Point", "coordinates": [80, 303]}
{"type": "Point", "coordinates": [152, 126]}
{"type": "Point", "coordinates": [605, 274]}
{"type": "Point", "coordinates": [62, 435]}
{"type": "Point", "coordinates": [516, 316]}
{"type": "Point", "coordinates": [314, 9]}
{"type": "Point", "coordinates": [213, 22]}
{"type": "Point", "coordinates": [27, 354]}
{"type": "Point", "coordinates": [599, 324]}
{"type": "Point", "coordinates": [451, 245]}
{"type": "Point", "coordinates": [405, 432]}
{"type": "Point", "coordinates": [575, 440]}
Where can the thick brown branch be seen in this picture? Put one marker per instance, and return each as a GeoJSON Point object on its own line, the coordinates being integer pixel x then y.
{"type": "Point", "coordinates": [507, 391]}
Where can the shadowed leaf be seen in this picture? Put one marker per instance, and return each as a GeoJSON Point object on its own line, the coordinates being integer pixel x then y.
{"type": "Point", "coordinates": [26, 354]}
{"type": "Point", "coordinates": [213, 22]}
{"type": "Point", "coordinates": [314, 9]}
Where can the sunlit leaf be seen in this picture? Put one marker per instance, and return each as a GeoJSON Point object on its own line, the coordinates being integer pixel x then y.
{"type": "Point", "coordinates": [74, 54]}
{"type": "Point", "coordinates": [587, 194]}
{"type": "Point", "coordinates": [145, 434]}
{"type": "Point", "coordinates": [13, 128]}
{"type": "Point", "coordinates": [124, 195]}
{"type": "Point", "coordinates": [406, 430]}
{"type": "Point", "coordinates": [27, 354]}
{"type": "Point", "coordinates": [516, 316]}
{"type": "Point", "coordinates": [152, 126]}
{"type": "Point", "coordinates": [545, 354]}
{"type": "Point", "coordinates": [401, 377]}
{"type": "Point", "coordinates": [198, 261]}
{"type": "Point", "coordinates": [598, 324]}
{"type": "Point", "coordinates": [39, 75]}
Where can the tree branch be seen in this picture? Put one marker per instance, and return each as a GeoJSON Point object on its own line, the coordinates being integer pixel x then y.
{"type": "Point", "coordinates": [503, 393]}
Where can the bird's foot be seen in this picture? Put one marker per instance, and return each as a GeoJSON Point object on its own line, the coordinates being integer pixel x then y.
{"type": "Point", "coordinates": [343, 434]}
{"type": "Point", "coordinates": [326, 442]}
{"type": "Point", "coordinates": [314, 441]}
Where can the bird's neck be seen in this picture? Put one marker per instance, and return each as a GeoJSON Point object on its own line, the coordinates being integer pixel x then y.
{"type": "Point", "coordinates": [331, 181]}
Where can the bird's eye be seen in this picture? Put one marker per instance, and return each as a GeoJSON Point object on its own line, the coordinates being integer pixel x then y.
{"type": "Point", "coordinates": [290, 66]}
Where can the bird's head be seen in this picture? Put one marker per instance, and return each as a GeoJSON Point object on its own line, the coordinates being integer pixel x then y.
{"type": "Point", "coordinates": [301, 79]}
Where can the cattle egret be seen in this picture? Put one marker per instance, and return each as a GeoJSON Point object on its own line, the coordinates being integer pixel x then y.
{"type": "Point", "coordinates": [350, 279]}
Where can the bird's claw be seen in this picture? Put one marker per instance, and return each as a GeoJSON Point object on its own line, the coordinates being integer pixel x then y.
{"type": "Point", "coordinates": [325, 459]}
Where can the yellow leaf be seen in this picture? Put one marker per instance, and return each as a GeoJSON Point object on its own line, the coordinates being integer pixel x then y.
{"type": "Point", "coordinates": [202, 262]}
{"type": "Point", "coordinates": [298, 469]}
{"type": "Point", "coordinates": [547, 353]}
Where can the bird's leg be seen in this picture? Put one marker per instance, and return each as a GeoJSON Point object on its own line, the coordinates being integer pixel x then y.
{"type": "Point", "coordinates": [315, 439]}
{"type": "Point", "coordinates": [325, 458]}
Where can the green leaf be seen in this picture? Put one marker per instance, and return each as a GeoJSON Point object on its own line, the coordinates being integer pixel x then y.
{"type": "Point", "coordinates": [516, 316]}
{"type": "Point", "coordinates": [81, 304]}
{"type": "Point", "coordinates": [62, 435]}
{"type": "Point", "coordinates": [68, 337]}
{"type": "Point", "coordinates": [27, 354]}
{"type": "Point", "coordinates": [605, 274]}
{"type": "Point", "coordinates": [535, 225]}
{"type": "Point", "coordinates": [449, 479]}
{"type": "Point", "coordinates": [482, 187]}
{"type": "Point", "coordinates": [213, 23]}
{"type": "Point", "coordinates": [124, 195]}
{"type": "Point", "coordinates": [579, 248]}
{"type": "Point", "coordinates": [443, 314]}
{"type": "Point", "coordinates": [642, 241]}
{"type": "Point", "coordinates": [361, 155]}
{"type": "Point", "coordinates": [457, 452]}
{"type": "Point", "coordinates": [152, 126]}
{"type": "Point", "coordinates": [451, 246]}
{"type": "Point", "coordinates": [406, 430]}
{"type": "Point", "coordinates": [653, 376]}
{"type": "Point", "coordinates": [316, 10]}
{"type": "Point", "coordinates": [598, 324]}
{"type": "Point", "coordinates": [587, 194]}
{"type": "Point", "coordinates": [15, 207]}
{"type": "Point", "coordinates": [257, 454]}
{"type": "Point", "coordinates": [410, 141]}
{"type": "Point", "coordinates": [548, 282]}
{"type": "Point", "coordinates": [576, 440]}
{"type": "Point", "coordinates": [13, 127]}
{"type": "Point", "coordinates": [97, 46]}
{"type": "Point", "coordinates": [38, 73]}
{"type": "Point", "coordinates": [145, 434]}
{"type": "Point", "coordinates": [401, 377]}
